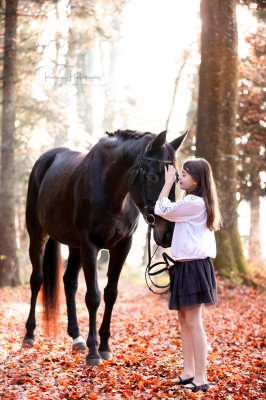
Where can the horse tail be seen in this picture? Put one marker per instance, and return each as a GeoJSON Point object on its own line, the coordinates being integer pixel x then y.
{"type": "Point", "coordinates": [52, 278]}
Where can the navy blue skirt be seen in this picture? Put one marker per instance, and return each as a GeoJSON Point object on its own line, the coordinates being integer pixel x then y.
{"type": "Point", "coordinates": [192, 283]}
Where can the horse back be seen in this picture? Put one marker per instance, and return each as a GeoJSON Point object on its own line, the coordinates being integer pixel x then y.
{"type": "Point", "coordinates": [50, 192]}
{"type": "Point", "coordinates": [71, 193]}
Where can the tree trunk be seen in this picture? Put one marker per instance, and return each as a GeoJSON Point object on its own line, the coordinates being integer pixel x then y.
{"type": "Point", "coordinates": [9, 272]}
{"type": "Point", "coordinates": [109, 109]}
{"type": "Point", "coordinates": [216, 123]}
{"type": "Point", "coordinates": [254, 251]}
{"type": "Point", "coordinates": [84, 93]}
{"type": "Point", "coordinates": [110, 89]}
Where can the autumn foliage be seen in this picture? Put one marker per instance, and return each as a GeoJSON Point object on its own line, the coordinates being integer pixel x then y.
{"type": "Point", "coordinates": [146, 347]}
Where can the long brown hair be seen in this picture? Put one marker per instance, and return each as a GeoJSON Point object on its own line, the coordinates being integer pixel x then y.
{"type": "Point", "coordinates": [201, 172]}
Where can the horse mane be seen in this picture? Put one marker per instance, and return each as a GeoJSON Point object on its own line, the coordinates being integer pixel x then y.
{"type": "Point", "coordinates": [128, 134]}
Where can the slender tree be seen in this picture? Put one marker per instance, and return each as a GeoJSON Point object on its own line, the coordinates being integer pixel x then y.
{"type": "Point", "coordinates": [9, 271]}
{"type": "Point", "coordinates": [251, 135]}
{"type": "Point", "coordinates": [217, 123]}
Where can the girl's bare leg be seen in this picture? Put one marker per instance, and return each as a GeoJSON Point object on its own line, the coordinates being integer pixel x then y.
{"type": "Point", "coordinates": [199, 344]}
{"type": "Point", "coordinates": [187, 347]}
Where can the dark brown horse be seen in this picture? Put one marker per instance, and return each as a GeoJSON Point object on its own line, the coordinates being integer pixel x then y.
{"type": "Point", "coordinates": [91, 202]}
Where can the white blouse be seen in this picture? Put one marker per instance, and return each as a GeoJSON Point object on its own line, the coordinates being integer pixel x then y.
{"type": "Point", "coordinates": [191, 238]}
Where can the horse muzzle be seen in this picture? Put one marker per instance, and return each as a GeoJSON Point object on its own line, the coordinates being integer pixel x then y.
{"type": "Point", "coordinates": [163, 237]}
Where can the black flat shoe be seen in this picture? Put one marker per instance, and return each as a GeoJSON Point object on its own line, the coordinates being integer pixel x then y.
{"type": "Point", "coordinates": [195, 388]}
{"type": "Point", "coordinates": [181, 381]}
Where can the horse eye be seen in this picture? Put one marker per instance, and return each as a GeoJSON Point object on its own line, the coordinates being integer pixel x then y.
{"type": "Point", "coordinates": [153, 178]}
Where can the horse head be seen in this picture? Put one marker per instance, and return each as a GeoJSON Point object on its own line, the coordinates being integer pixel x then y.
{"type": "Point", "coordinates": [148, 183]}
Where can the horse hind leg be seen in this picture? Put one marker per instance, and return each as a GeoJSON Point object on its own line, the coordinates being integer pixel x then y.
{"type": "Point", "coordinates": [71, 285]}
{"type": "Point", "coordinates": [38, 241]}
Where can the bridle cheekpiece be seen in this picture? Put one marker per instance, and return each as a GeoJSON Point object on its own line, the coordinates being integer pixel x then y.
{"type": "Point", "coordinates": [151, 221]}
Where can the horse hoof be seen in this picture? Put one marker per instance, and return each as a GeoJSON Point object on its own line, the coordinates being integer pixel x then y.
{"type": "Point", "coordinates": [79, 346]}
{"type": "Point", "coordinates": [93, 362]}
{"type": "Point", "coordinates": [106, 355]}
{"type": "Point", "coordinates": [28, 343]}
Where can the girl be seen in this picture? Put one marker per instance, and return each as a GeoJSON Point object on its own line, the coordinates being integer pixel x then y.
{"type": "Point", "coordinates": [193, 281]}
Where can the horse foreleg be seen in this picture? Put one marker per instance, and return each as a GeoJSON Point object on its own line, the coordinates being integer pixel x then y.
{"type": "Point", "coordinates": [36, 252]}
{"type": "Point", "coordinates": [118, 256]}
{"type": "Point", "coordinates": [93, 297]}
{"type": "Point", "coordinates": [71, 285]}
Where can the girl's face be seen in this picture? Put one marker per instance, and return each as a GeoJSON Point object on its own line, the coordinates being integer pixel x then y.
{"type": "Point", "coordinates": [187, 183]}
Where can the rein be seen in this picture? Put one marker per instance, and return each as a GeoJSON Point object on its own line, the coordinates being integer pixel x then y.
{"type": "Point", "coordinates": [148, 274]}
{"type": "Point", "coordinates": [150, 220]}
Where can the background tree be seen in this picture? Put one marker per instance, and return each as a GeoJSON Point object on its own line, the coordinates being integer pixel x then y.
{"type": "Point", "coordinates": [251, 135]}
{"type": "Point", "coordinates": [46, 34]}
{"type": "Point", "coordinates": [9, 271]}
{"type": "Point", "coordinates": [90, 37]}
{"type": "Point", "coordinates": [217, 120]}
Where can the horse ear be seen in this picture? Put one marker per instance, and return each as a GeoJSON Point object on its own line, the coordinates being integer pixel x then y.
{"type": "Point", "coordinates": [159, 141]}
{"type": "Point", "coordinates": [178, 141]}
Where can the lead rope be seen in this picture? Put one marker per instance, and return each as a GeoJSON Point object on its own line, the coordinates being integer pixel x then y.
{"type": "Point", "coordinates": [148, 273]}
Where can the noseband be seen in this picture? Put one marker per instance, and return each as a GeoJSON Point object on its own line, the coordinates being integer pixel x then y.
{"type": "Point", "coordinates": [150, 220]}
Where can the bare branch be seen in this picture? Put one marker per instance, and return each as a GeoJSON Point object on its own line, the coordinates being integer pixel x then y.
{"type": "Point", "coordinates": [176, 85]}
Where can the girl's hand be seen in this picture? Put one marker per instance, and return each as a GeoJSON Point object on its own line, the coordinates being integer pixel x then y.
{"type": "Point", "coordinates": [169, 178]}
{"type": "Point", "coordinates": [169, 267]}
{"type": "Point", "coordinates": [170, 174]}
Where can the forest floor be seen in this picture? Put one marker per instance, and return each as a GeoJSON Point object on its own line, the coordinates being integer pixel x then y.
{"type": "Point", "coordinates": [146, 349]}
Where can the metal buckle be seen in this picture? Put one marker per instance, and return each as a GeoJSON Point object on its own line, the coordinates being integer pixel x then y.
{"type": "Point", "coordinates": [150, 219]}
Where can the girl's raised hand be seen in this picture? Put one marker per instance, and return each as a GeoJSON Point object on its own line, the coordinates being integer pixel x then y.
{"type": "Point", "coordinates": [170, 174]}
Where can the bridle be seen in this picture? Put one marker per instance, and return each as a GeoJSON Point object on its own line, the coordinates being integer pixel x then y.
{"type": "Point", "coordinates": [148, 207]}
{"type": "Point", "coordinates": [151, 221]}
